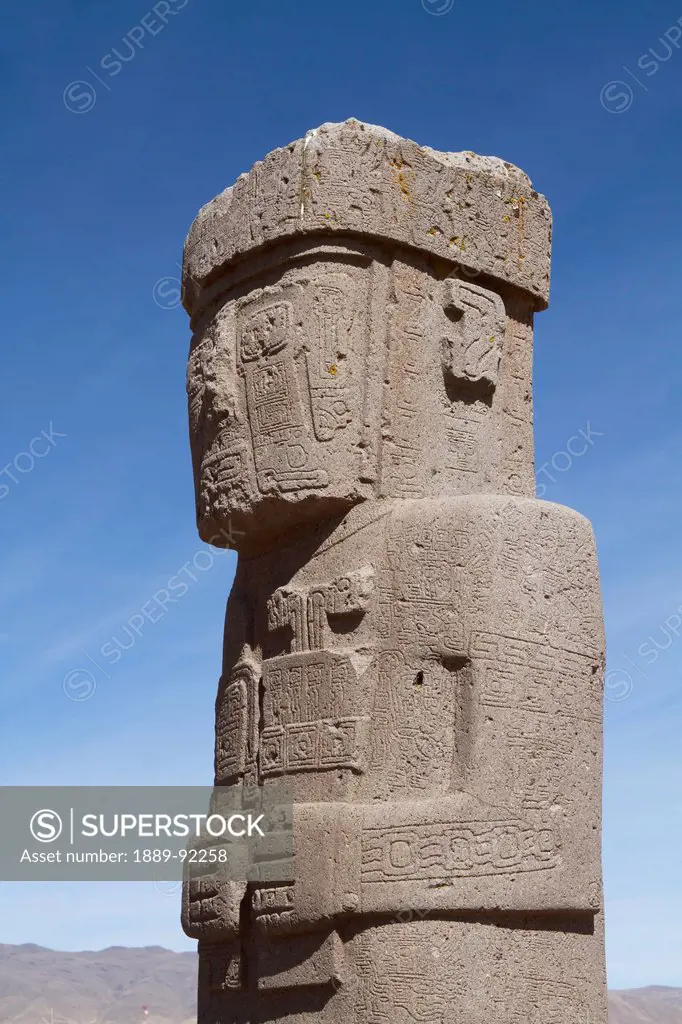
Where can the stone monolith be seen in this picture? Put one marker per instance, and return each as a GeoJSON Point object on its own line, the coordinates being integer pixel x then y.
{"type": "Point", "coordinates": [413, 641]}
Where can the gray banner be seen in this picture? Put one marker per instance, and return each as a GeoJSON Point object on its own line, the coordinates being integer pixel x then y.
{"type": "Point", "coordinates": [144, 833]}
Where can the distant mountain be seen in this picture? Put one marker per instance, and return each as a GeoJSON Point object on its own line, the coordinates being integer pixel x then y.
{"type": "Point", "coordinates": [653, 1005]}
{"type": "Point", "coordinates": [41, 986]}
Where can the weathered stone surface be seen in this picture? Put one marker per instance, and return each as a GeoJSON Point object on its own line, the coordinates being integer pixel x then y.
{"type": "Point", "coordinates": [413, 641]}
{"type": "Point", "coordinates": [343, 373]}
{"type": "Point", "coordinates": [363, 180]}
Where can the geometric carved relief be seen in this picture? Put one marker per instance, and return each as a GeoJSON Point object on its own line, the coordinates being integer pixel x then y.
{"type": "Point", "coordinates": [237, 722]}
{"type": "Point", "coordinates": [313, 746]}
{"type": "Point", "coordinates": [306, 612]}
{"type": "Point", "coordinates": [529, 676]}
{"type": "Point", "coordinates": [402, 991]}
{"type": "Point", "coordinates": [327, 356]}
{"type": "Point", "coordinates": [456, 850]}
{"type": "Point", "coordinates": [413, 720]}
{"type": "Point", "coordinates": [403, 426]}
{"type": "Point", "coordinates": [306, 720]}
{"type": "Point", "coordinates": [470, 357]}
{"type": "Point", "coordinates": [301, 388]}
{"type": "Point", "coordinates": [400, 976]}
{"type": "Point", "coordinates": [225, 970]}
{"type": "Point", "coordinates": [471, 352]}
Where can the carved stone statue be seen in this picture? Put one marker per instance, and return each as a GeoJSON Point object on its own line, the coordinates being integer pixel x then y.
{"type": "Point", "coordinates": [413, 640]}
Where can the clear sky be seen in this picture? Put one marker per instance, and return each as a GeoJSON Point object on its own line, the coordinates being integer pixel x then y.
{"type": "Point", "coordinates": [108, 156]}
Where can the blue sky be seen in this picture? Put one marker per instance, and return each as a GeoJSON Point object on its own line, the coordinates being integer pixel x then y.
{"type": "Point", "coordinates": [106, 163]}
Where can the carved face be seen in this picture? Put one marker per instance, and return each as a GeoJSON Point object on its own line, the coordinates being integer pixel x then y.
{"type": "Point", "coordinates": [339, 376]}
{"type": "Point", "coordinates": [277, 385]}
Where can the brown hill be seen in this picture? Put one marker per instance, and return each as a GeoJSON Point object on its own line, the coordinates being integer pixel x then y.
{"type": "Point", "coordinates": [654, 1005]}
{"type": "Point", "coordinates": [42, 986]}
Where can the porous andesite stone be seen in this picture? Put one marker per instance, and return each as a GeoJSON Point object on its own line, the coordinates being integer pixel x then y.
{"type": "Point", "coordinates": [413, 641]}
